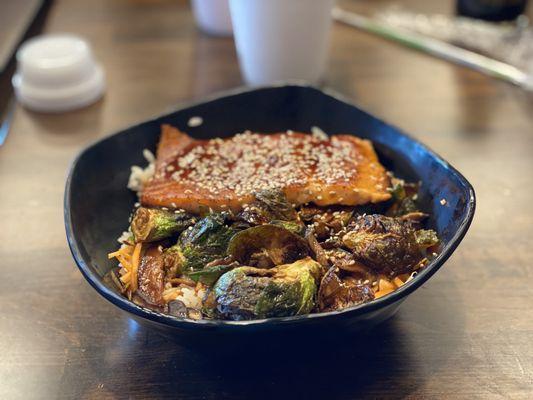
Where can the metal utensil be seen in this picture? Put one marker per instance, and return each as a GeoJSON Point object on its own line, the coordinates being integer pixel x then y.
{"type": "Point", "coordinates": [438, 48]}
{"type": "Point", "coordinates": [6, 119]}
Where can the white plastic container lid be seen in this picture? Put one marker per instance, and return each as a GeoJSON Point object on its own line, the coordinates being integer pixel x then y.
{"type": "Point", "coordinates": [56, 73]}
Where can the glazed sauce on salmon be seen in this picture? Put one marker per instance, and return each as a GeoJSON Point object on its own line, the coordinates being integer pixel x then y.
{"type": "Point", "coordinates": [225, 173]}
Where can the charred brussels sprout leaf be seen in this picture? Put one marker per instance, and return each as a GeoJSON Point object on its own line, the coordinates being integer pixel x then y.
{"type": "Point", "coordinates": [317, 250]}
{"type": "Point", "coordinates": [204, 242]}
{"type": "Point", "coordinates": [337, 293]}
{"type": "Point", "coordinates": [249, 293]}
{"type": "Point", "coordinates": [209, 304]}
{"type": "Point", "coordinates": [266, 246]}
{"type": "Point", "coordinates": [384, 243]}
{"type": "Point", "coordinates": [276, 205]}
{"type": "Point", "coordinates": [152, 224]}
{"type": "Point", "coordinates": [269, 205]}
{"type": "Point", "coordinates": [293, 226]}
{"type": "Point", "coordinates": [345, 261]}
{"type": "Point", "coordinates": [209, 275]}
{"type": "Point", "coordinates": [426, 238]}
{"type": "Point", "coordinates": [202, 229]}
{"type": "Point", "coordinates": [326, 220]}
{"type": "Point", "coordinates": [403, 195]}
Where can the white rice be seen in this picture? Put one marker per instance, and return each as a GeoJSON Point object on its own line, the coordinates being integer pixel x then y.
{"type": "Point", "coordinates": [195, 121]}
{"type": "Point", "coordinates": [139, 176]}
{"type": "Point", "coordinates": [191, 297]}
{"type": "Point", "coordinates": [124, 237]}
{"type": "Point", "coordinates": [319, 133]}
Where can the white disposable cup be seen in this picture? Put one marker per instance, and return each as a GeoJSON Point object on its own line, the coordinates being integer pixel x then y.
{"type": "Point", "coordinates": [279, 40]}
{"type": "Point", "coordinates": [213, 16]}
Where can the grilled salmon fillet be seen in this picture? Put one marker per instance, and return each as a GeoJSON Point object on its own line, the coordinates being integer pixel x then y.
{"type": "Point", "coordinates": [224, 174]}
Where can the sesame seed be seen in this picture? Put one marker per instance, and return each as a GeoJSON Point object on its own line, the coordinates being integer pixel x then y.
{"type": "Point", "coordinates": [250, 162]}
{"type": "Point", "coordinates": [443, 202]}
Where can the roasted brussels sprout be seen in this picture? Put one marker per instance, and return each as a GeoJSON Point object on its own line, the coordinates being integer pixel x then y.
{"type": "Point", "coordinates": [204, 242]}
{"type": "Point", "coordinates": [345, 261]}
{"type": "Point", "coordinates": [404, 198]}
{"type": "Point", "coordinates": [252, 215]}
{"type": "Point", "coordinates": [326, 221]}
{"type": "Point", "coordinates": [152, 224]}
{"type": "Point", "coordinates": [275, 204]}
{"type": "Point", "coordinates": [426, 238]}
{"type": "Point", "coordinates": [384, 244]}
{"type": "Point", "coordinates": [172, 260]}
{"type": "Point", "coordinates": [265, 246]}
{"type": "Point", "coordinates": [210, 274]}
{"type": "Point", "coordinates": [209, 304]}
{"type": "Point", "coordinates": [293, 226]}
{"type": "Point", "coordinates": [286, 290]}
{"type": "Point", "coordinates": [269, 205]}
{"type": "Point", "coordinates": [317, 250]}
{"type": "Point", "coordinates": [336, 293]}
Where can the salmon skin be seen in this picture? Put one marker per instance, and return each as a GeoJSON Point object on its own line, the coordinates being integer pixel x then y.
{"type": "Point", "coordinates": [224, 174]}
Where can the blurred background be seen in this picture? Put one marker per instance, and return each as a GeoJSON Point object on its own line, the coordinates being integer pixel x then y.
{"type": "Point", "coordinates": [155, 49]}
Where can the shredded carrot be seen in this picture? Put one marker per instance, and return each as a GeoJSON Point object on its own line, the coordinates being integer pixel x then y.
{"type": "Point", "coordinates": [385, 285]}
{"type": "Point", "coordinates": [381, 293]}
{"type": "Point", "coordinates": [114, 254]}
{"type": "Point", "coordinates": [135, 260]}
{"type": "Point", "coordinates": [398, 282]}
{"type": "Point", "coordinates": [171, 294]}
{"type": "Point", "coordinates": [123, 261]}
{"type": "Point", "coordinates": [126, 277]}
{"type": "Point", "coordinates": [123, 251]}
{"type": "Point", "coordinates": [126, 256]}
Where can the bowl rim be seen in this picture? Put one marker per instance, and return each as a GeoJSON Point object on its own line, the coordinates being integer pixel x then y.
{"type": "Point", "coordinates": [364, 308]}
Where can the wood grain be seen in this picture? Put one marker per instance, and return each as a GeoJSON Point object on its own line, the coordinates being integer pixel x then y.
{"type": "Point", "coordinates": [466, 334]}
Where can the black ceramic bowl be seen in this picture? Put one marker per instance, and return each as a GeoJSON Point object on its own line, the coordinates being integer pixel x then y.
{"type": "Point", "coordinates": [98, 204]}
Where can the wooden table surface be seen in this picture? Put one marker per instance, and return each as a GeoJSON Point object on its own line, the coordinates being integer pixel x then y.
{"type": "Point", "coordinates": [466, 334]}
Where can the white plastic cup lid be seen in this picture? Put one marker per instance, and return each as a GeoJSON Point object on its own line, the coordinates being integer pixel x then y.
{"type": "Point", "coordinates": [56, 73]}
